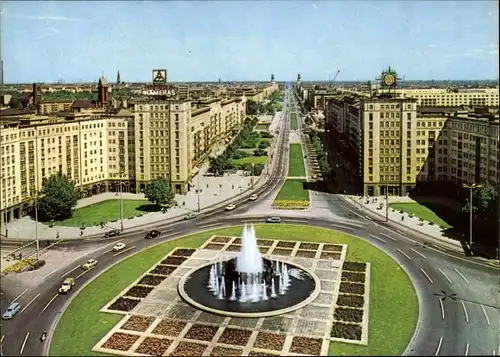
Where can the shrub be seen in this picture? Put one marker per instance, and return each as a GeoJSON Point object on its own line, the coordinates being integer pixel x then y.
{"type": "Point", "coordinates": [290, 204]}
{"type": "Point", "coordinates": [19, 266]}
{"type": "Point", "coordinates": [259, 152]}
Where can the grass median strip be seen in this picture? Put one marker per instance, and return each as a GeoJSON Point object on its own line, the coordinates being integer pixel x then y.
{"type": "Point", "coordinates": [293, 195]}
{"type": "Point", "coordinates": [296, 167]}
{"type": "Point", "coordinates": [393, 302]}
{"type": "Point", "coordinates": [293, 121]}
{"type": "Point", "coordinates": [420, 211]}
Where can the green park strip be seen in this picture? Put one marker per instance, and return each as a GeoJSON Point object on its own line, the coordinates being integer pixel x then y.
{"type": "Point", "coordinates": [293, 121]}
{"type": "Point", "coordinates": [296, 167]}
{"type": "Point", "coordinates": [106, 211]}
{"type": "Point", "coordinates": [251, 160]}
{"type": "Point", "coordinates": [421, 212]}
{"type": "Point", "coordinates": [261, 127]}
{"type": "Point", "coordinates": [393, 302]}
{"type": "Point", "coordinates": [293, 190]}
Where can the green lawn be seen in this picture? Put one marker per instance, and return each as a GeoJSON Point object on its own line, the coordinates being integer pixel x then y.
{"type": "Point", "coordinates": [293, 190]}
{"type": "Point", "coordinates": [105, 211]}
{"type": "Point", "coordinates": [293, 121]}
{"type": "Point", "coordinates": [261, 127]}
{"type": "Point", "coordinates": [296, 166]}
{"type": "Point", "coordinates": [420, 211]}
{"type": "Point", "coordinates": [393, 302]}
{"type": "Point", "coordinates": [250, 160]}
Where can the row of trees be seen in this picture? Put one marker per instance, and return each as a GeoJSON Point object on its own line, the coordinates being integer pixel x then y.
{"type": "Point", "coordinates": [321, 154]}
{"type": "Point", "coordinates": [274, 104]}
{"type": "Point", "coordinates": [222, 163]}
{"type": "Point", "coordinates": [60, 196]}
{"type": "Point", "coordinates": [485, 210]}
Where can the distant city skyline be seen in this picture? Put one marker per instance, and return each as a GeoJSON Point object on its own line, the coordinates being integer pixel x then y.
{"type": "Point", "coordinates": [248, 41]}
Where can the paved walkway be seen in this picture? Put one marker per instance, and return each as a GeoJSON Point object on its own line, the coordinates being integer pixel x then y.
{"type": "Point", "coordinates": [373, 205]}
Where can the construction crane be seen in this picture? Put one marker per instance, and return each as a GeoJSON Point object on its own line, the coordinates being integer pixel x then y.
{"type": "Point", "coordinates": [330, 80]}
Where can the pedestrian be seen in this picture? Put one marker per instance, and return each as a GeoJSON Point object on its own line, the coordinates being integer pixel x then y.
{"type": "Point", "coordinates": [57, 235]}
{"type": "Point", "coordinates": [402, 218]}
{"type": "Point", "coordinates": [81, 233]}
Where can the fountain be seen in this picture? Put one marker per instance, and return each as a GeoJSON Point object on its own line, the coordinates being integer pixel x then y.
{"type": "Point", "coordinates": [249, 283]}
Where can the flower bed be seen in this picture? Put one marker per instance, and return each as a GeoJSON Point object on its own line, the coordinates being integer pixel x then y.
{"type": "Point", "coordinates": [332, 248]}
{"type": "Point", "coordinates": [169, 327]}
{"type": "Point", "coordinates": [120, 341]}
{"type": "Point", "coordinates": [233, 248]}
{"type": "Point", "coordinates": [263, 250]}
{"type": "Point", "coordinates": [226, 351]}
{"type": "Point", "coordinates": [237, 241]}
{"type": "Point", "coordinates": [269, 341]}
{"type": "Point", "coordinates": [264, 242]}
{"type": "Point", "coordinates": [290, 204]}
{"type": "Point", "coordinates": [138, 323]}
{"type": "Point", "coordinates": [283, 244]}
{"type": "Point", "coordinates": [348, 314]}
{"type": "Point", "coordinates": [352, 288]}
{"type": "Point", "coordinates": [154, 346]}
{"type": "Point", "coordinates": [220, 239]}
{"type": "Point", "coordinates": [306, 346]}
{"type": "Point", "coordinates": [201, 332]}
{"type": "Point", "coordinates": [173, 260]}
{"type": "Point", "coordinates": [124, 304]}
{"type": "Point", "coordinates": [305, 254]}
{"type": "Point", "coordinates": [183, 252]}
{"type": "Point", "coordinates": [284, 252]}
{"type": "Point", "coordinates": [353, 277]}
{"type": "Point", "coordinates": [346, 331]}
{"type": "Point", "coordinates": [189, 349]}
{"type": "Point", "coordinates": [257, 353]}
{"type": "Point", "coordinates": [310, 246]}
{"type": "Point", "coordinates": [19, 266]}
{"type": "Point", "coordinates": [152, 280]}
{"type": "Point", "coordinates": [350, 300]}
{"type": "Point", "coordinates": [138, 291]}
{"type": "Point", "coordinates": [213, 246]}
{"type": "Point", "coordinates": [354, 266]}
{"type": "Point", "coordinates": [330, 255]}
{"type": "Point", "coordinates": [233, 336]}
{"type": "Point", "coordinates": [163, 270]}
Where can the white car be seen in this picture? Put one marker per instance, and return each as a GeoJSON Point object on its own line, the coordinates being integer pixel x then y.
{"type": "Point", "coordinates": [118, 247]}
{"type": "Point", "coordinates": [253, 197]}
{"type": "Point", "coordinates": [230, 207]}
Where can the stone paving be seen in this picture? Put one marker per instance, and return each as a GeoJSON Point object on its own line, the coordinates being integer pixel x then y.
{"type": "Point", "coordinates": [161, 323]}
{"type": "Point", "coordinates": [373, 204]}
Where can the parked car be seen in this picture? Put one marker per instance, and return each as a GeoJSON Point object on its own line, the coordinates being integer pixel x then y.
{"type": "Point", "coordinates": [89, 264]}
{"type": "Point", "coordinates": [253, 197]}
{"type": "Point", "coordinates": [189, 216]}
{"type": "Point", "coordinates": [153, 234]}
{"type": "Point", "coordinates": [230, 207]}
{"type": "Point", "coordinates": [112, 233]}
{"type": "Point", "coordinates": [118, 247]}
{"type": "Point", "coordinates": [67, 285]}
{"type": "Point", "coordinates": [273, 220]}
{"type": "Point", "coordinates": [11, 311]}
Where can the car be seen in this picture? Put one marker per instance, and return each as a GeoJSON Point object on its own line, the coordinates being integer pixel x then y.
{"type": "Point", "coordinates": [67, 285]}
{"type": "Point", "coordinates": [112, 233]}
{"type": "Point", "coordinates": [89, 264]}
{"type": "Point", "coordinates": [230, 207]}
{"type": "Point", "coordinates": [273, 220]}
{"type": "Point", "coordinates": [11, 311]}
{"type": "Point", "coordinates": [154, 233]}
{"type": "Point", "coordinates": [253, 197]}
{"type": "Point", "coordinates": [189, 216]}
{"type": "Point", "coordinates": [118, 247]}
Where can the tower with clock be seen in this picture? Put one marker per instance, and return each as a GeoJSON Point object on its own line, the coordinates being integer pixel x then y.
{"type": "Point", "coordinates": [389, 79]}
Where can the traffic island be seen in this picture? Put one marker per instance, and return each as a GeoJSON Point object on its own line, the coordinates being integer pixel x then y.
{"type": "Point", "coordinates": [292, 195]}
{"type": "Point", "coordinates": [162, 318]}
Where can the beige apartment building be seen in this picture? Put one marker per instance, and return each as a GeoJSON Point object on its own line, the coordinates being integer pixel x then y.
{"type": "Point", "coordinates": [99, 151]}
{"type": "Point", "coordinates": [396, 143]}
{"type": "Point", "coordinates": [441, 97]}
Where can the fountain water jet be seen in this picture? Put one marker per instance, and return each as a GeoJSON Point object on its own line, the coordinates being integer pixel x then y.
{"type": "Point", "coordinates": [273, 290]}
{"type": "Point", "coordinates": [233, 292]}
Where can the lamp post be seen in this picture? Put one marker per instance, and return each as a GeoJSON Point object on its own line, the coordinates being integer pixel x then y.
{"type": "Point", "coordinates": [387, 202]}
{"type": "Point", "coordinates": [253, 165]}
{"type": "Point", "coordinates": [198, 190]}
{"type": "Point", "coordinates": [36, 231]}
{"type": "Point", "coordinates": [471, 189]}
{"type": "Point", "coordinates": [121, 201]}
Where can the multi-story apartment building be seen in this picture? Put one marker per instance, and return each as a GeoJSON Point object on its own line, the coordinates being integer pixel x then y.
{"type": "Point", "coordinates": [440, 97]}
{"type": "Point", "coordinates": [101, 152]}
{"type": "Point", "coordinates": [398, 144]}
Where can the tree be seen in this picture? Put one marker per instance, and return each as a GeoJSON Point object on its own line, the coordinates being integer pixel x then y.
{"type": "Point", "coordinates": [483, 200]}
{"type": "Point", "coordinates": [159, 192]}
{"type": "Point", "coordinates": [252, 107]}
{"type": "Point", "coordinates": [59, 198]}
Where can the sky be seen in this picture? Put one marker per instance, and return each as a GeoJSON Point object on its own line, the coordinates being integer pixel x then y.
{"type": "Point", "coordinates": [76, 41]}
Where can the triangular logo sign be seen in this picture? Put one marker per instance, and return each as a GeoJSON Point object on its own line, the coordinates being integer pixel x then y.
{"type": "Point", "coordinates": [159, 77]}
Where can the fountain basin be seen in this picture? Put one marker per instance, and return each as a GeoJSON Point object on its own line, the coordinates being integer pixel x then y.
{"type": "Point", "coordinates": [300, 292]}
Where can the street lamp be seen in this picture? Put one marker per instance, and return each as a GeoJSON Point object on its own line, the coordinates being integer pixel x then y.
{"type": "Point", "coordinates": [121, 201]}
{"type": "Point", "coordinates": [471, 189]}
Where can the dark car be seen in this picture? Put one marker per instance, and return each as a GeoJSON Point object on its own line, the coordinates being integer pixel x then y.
{"type": "Point", "coordinates": [153, 234]}
{"type": "Point", "coordinates": [112, 233]}
{"type": "Point", "coordinates": [273, 220]}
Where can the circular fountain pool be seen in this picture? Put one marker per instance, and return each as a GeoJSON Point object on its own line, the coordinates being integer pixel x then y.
{"type": "Point", "coordinates": [222, 289]}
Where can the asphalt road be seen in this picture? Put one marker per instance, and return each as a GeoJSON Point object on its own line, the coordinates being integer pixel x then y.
{"type": "Point", "coordinates": [467, 325]}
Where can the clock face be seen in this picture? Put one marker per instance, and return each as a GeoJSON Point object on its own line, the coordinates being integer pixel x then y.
{"type": "Point", "coordinates": [389, 79]}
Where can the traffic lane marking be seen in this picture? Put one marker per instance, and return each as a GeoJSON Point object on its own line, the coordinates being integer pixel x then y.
{"type": "Point", "coordinates": [417, 252]}
{"type": "Point", "coordinates": [485, 315]}
{"type": "Point", "coordinates": [442, 308]}
{"type": "Point", "coordinates": [439, 346]}
{"type": "Point", "coordinates": [84, 272]}
{"type": "Point", "coordinates": [24, 343]}
{"type": "Point", "coordinates": [377, 238]}
{"type": "Point", "coordinates": [388, 236]}
{"type": "Point", "coordinates": [446, 276]}
{"type": "Point", "coordinates": [114, 243]}
{"type": "Point", "coordinates": [29, 303]}
{"type": "Point", "coordinates": [19, 296]}
{"type": "Point", "coordinates": [3, 338]}
{"type": "Point", "coordinates": [121, 252]}
{"type": "Point", "coordinates": [465, 312]}
{"type": "Point", "coordinates": [50, 302]}
{"type": "Point", "coordinates": [467, 349]}
{"type": "Point", "coordinates": [49, 274]}
{"type": "Point", "coordinates": [72, 270]}
{"type": "Point", "coordinates": [403, 253]}
{"type": "Point", "coordinates": [461, 275]}
{"type": "Point", "coordinates": [426, 275]}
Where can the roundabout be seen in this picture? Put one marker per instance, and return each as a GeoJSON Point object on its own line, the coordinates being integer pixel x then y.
{"type": "Point", "coordinates": [392, 300]}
